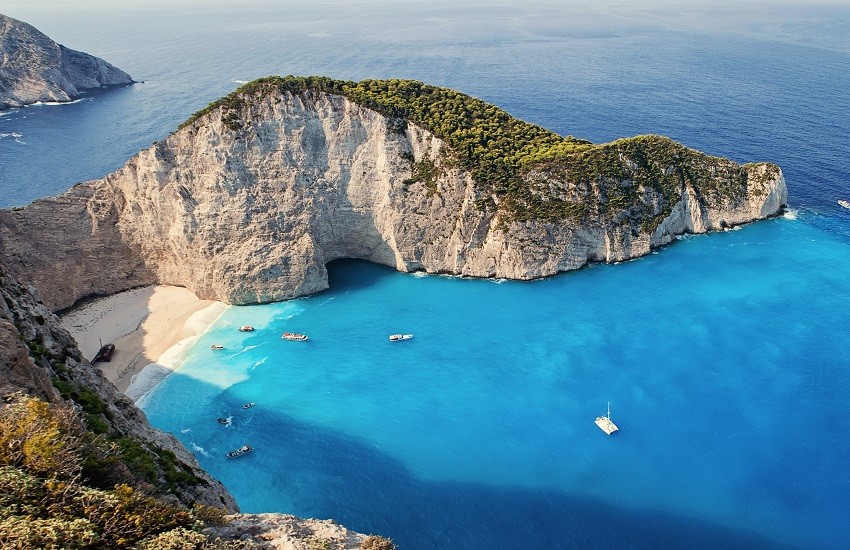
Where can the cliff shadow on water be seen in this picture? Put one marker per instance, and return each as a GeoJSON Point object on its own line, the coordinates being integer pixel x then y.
{"type": "Point", "coordinates": [314, 471]}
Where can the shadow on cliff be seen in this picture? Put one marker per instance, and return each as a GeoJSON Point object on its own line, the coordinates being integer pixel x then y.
{"type": "Point", "coordinates": [344, 274]}
{"type": "Point", "coordinates": [316, 472]}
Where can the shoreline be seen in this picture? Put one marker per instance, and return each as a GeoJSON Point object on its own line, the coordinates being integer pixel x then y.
{"type": "Point", "coordinates": [152, 328]}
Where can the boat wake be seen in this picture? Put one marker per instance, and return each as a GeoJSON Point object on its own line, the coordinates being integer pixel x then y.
{"type": "Point", "coordinates": [790, 214]}
{"type": "Point", "coordinates": [14, 135]}
{"type": "Point", "coordinates": [51, 103]}
{"type": "Point", "coordinates": [244, 350]}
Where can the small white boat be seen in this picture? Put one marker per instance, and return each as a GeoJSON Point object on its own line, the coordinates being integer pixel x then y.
{"type": "Point", "coordinates": [398, 337]}
{"type": "Point", "coordinates": [246, 328]}
{"type": "Point", "coordinates": [224, 421]}
{"type": "Point", "coordinates": [294, 336]}
{"type": "Point", "coordinates": [604, 422]}
{"type": "Point", "coordinates": [216, 346]}
{"type": "Point", "coordinates": [243, 450]}
{"type": "Point", "coordinates": [248, 405]}
{"type": "Point", "coordinates": [845, 204]}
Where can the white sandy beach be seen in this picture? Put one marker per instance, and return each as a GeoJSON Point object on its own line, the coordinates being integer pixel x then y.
{"type": "Point", "coordinates": [151, 328]}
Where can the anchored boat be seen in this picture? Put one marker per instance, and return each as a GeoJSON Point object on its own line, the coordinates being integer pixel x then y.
{"type": "Point", "coordinates": [294, 336]}
{"type": "Point", "coordinates": [845, 204]}
{"type": "Point", "coordinates": [604, 422]}
{"type": "Point", "coordinates": [248, 405]}
{"type": "Point", "coordinates": [216, 346]}
{"type": "Point", "coordinates": [246, 328]}
{"type": "Point", "coordinates": [398, 337]}
{"type": "Point", "coordinates": [241, 451]}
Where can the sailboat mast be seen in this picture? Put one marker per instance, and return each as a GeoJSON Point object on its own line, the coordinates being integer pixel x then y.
{"type": "Point", "coordinates": [609, 410]}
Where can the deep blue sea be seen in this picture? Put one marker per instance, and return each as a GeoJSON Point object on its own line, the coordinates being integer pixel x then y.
{"type": "Point", "coordinates": [724, 356]}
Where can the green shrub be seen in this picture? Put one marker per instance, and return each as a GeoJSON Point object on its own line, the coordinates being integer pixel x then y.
{"type": "Point", "coordinates": [137, 458]}
{"type": "Point", "coordinates": [175, 474]}
{"type": "Point", "coordinates": [37, 349]}
{"type": "Point", "coordinates": [49, 533]}
{"type": "Point", "coordinates": [96, 424]}
{"type": "Point", "coordinates": [65, 388]}
{"type": "Point", "coordinates": [41, 438]}
{"type": "Point", "coordinates": [90, 401]}
{"type": "Point", "coordinates": [49, 513]}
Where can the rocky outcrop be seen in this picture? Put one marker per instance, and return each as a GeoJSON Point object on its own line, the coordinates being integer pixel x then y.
{"type": "Point", "coordinates": [35, 68]}
{"type": "Point", "coordinates": [285, 532]}
{"type": "Point", "coordinates": [248, 203]}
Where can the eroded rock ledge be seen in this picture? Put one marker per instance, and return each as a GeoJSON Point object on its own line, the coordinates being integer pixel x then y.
{"type": "Point", "coordinates": [248, 201]}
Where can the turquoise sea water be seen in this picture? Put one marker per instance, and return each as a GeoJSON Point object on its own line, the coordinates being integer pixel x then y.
{"type": "Point", "coordinates": [723, 356]}
{"type": "Point", "coordinates": [719, 356]}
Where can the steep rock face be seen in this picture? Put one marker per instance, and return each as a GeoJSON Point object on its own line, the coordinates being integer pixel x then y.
{"type": "Point", "coordinates": [35, 68]}
{"type": "Point", "coordinates": [35, 348]}
{"type": "Point", "coordinates": [248, 204]}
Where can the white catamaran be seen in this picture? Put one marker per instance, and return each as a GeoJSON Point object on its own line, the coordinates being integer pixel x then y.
{"type": "Point", "coordinates": [604, 422]}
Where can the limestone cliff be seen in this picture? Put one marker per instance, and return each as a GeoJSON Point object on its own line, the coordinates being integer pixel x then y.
{"type": "Point", "coordinates": [251, 198]}
{"type": "Point", "coordinates": [35, 68]}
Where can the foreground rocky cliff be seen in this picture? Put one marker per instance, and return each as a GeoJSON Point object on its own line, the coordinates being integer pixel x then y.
{"type": "Point", "coordinates": [38, 358]}
{"type": "Point", "coordinates": [35, 68]}
{"type": "Point", "coordinates": [252, 197]}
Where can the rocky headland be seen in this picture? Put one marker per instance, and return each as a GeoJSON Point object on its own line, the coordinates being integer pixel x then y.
{"type": "Point", "coordinates": [34, 68]}
{"type": "Point", "coordinates": [252, 197]}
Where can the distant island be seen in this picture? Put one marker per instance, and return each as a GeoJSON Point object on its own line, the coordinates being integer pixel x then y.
{"type": "Point", "coordinates": [253, 195]}
{"type": "Point", "coordinates": [34, 68]}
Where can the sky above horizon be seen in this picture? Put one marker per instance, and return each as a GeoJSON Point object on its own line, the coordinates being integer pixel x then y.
{"type": "Point", "coordinates": [818, 23]}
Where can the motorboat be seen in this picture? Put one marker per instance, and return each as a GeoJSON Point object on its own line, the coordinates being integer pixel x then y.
{"type": "Point", "coordinates": [399, 337]}
{"type": "Point", "coordinates": [246, 328]}
{"type": "Point", "coordinates": [248, 405]}
{"type": "Point", "coordinates": [216, 346]}
{"type": "Point", "coordinates": [241, 451]}
{"type": "Point", "coordinates": [294, 336]}
{"type": "Point", "coordinates": [224, 421]}
{"type": "Point", "coordinates": [845, 204]}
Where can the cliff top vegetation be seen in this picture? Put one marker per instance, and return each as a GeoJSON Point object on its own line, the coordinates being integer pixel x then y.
{"type": "Point", "coordinates": [61, 487]}
{"type": "Point", "coordinates": [526, 171]}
